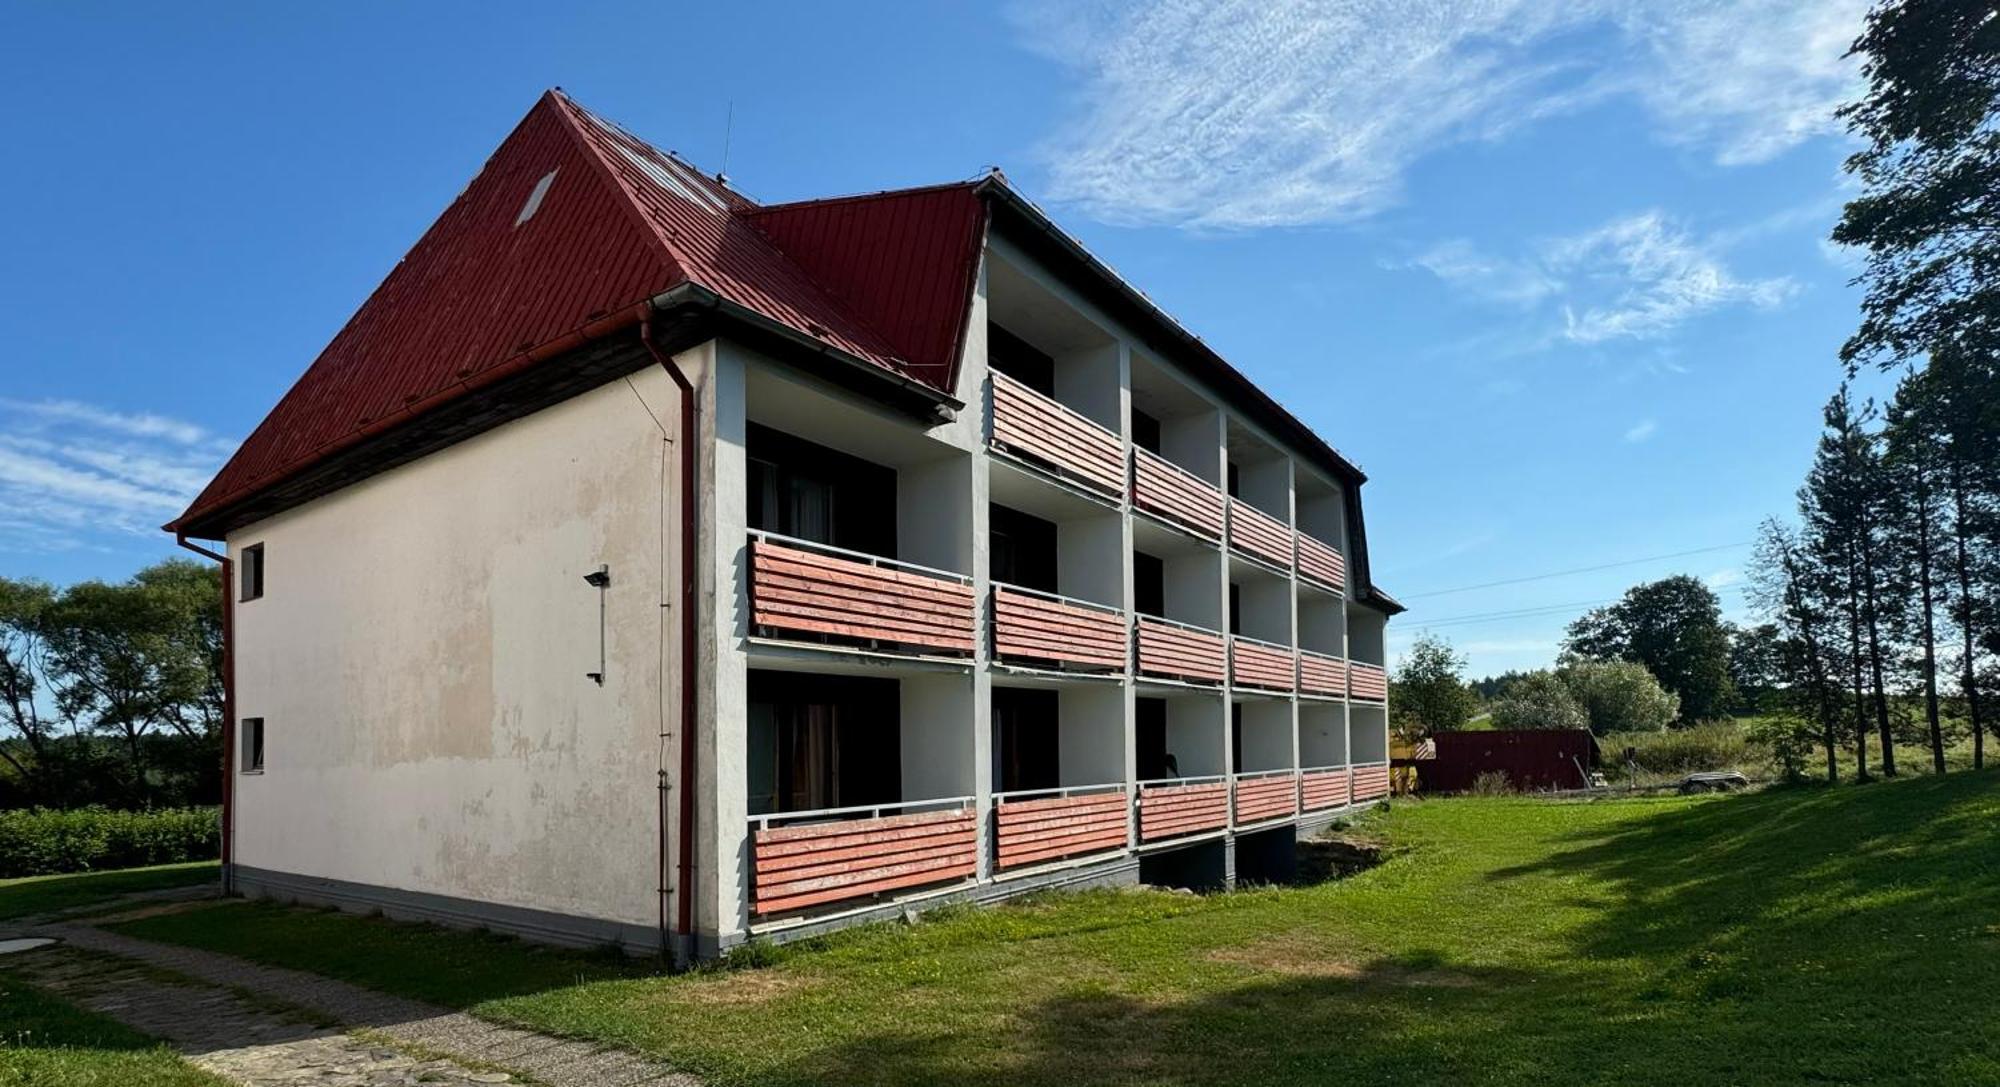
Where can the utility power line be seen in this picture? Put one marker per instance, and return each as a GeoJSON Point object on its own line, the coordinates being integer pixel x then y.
{"type": "Point", "coordinates": [1577, 570]}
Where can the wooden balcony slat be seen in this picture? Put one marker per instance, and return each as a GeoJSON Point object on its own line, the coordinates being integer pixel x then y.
{"type": "Point", "coordinates": [1039, 830]}
{"type": "Point", "coordinates": [798, 867]}
{"type": "Point", "coordinates": [1325, 789]}
{"type": "Point", "coordinates": [1370, 782]}
{"type": "Point", "coordinates": [1176, 651]}
{"type": "Point", "coordinates": [1367, 682]}
{"type": "Point", "coordinates": [1256, 533]}
{"type": "Point", "coordinates": [1163, 488]}
{"type": "Point", "coordinates": [1028, 422]}
{"type": "Point", "coordinates": [1253, 665]}
{"type": "Point", "coordinates": [1321, 563]}
{"type": "Point", "coordinates": [1170, 810]}
{"type": "Point", "coordinates": [1322, 674]}
{"type": "Point", "coordinates": [917, 584]}
{"type": "Point", "coordinates": [800, 591]}
{"type": "Point", "coordinates": [1041, 629]}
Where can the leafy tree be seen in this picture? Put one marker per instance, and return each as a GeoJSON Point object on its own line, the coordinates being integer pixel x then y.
{"type": "Point", "coordinates": [1538, 700]}
{"type": "Point", "coordinates": [1929, 212]}
{"type": "Point", "coordinates": [1674, 628]}
{"type": "Point", "coordinates": [22, 606]}
{"type": "Point", "coordinates": [1430, 694]}
{"type": "Point", "coordinates": [1619, 696]}
{"type": "Point", "coordinates": [1493, 687]}
{"type": "Point", "coordinates": [1914, 500]}
{"type": "Point", "coordinates": [1786, 584]}
{"type": "Point", "coordinates": [1756, 665]}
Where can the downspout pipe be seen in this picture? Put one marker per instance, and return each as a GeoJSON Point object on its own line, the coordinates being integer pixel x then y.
{"type": "Point", "coordinates": [689, 439]}
{"type": "Point", "coordinates": [228, 704]}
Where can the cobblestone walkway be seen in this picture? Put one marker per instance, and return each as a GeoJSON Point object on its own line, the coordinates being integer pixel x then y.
{"type": "Point", "coordinates": [291, 1027]}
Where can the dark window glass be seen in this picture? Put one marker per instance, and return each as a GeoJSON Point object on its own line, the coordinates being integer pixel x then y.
{"type": "Point", "coordinates": [1236, 736]}
{"type": "Point", "coordinates": [822, 742]}
{"type": "Point", "coordinates": [1235, 608]}
{"type": "Point", "coordinates": [253, 745]}
{"type": "Point", "coordinates": [1149, 585]}
{"type": "Point", "coordinates": [252, 576]}
{"type": "Point", "coordinates": [1018, 359]}
{"type": "Point", "coordinates": [1024, 739]}
{"type": "Point", "coordinates": [1145, 431]}
{"type": "Point", "coordinates": [805, 490]}
{"type": "Point", "coordinates": [1154, 761]}
{"type": "Point", "coordinates": [1022, 549]}
{"type": "Point", "coordinates": [1235, 480]}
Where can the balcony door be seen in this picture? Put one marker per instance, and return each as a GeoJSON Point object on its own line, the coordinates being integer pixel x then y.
{"type": "Point", "coordinates": [816, 742]}
{"type": "Point", "coordinates": [805, 490]}
{"type": "Point", "coordinates": [1025, 745]}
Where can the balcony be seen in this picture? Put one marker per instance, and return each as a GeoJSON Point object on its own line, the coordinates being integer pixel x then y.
{"type": "Point", "coordinates": [1170, 650]}
{"type": "Point", "coordinates": [1371, 781]}
{"type": "Point", "coordinates": [1176, 807]}
{"type": "Point", "coordinates": [1321, 565]}
{"type": "Point", "coordinates": [1172, 493]}
{"type": "Point", "coordinates": [1324, 787]}
{"type": "Point", "coordinates": [1044, 629]}
{"type": "Point", "coordinates": [1322, 674]}
{"type": "Point", "coordinates": [1266, 795]}
{"type": "Point", "coordinates": [1367, 682]}
{"type": "Point", "coordinates": [1265, 665]}
{"type": "Point", "coordinates": [1047, 825]}
{"type": "Point", "coordinates": [1032, 426]}
{"type": "Point", "coordinates": [809, 592]}
{"type": "Point", "coordinates": [1259, 535]}
{"type": "Point", "coordinates": [841, 855]}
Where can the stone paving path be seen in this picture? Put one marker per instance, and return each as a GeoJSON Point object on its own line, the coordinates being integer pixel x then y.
{"type": "Point", "coordinates": [291, 1027]}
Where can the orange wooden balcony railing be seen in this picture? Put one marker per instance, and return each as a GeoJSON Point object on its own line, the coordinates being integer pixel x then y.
{"type": "Point", "coordinates": [1053, 824]}
{"type": "Point", "coordinates": [1043, 628]}
{"type": "Point", "coordinates": [1371, 781]}
{"type": "Point", "coordinates": [1266, 795]}
{"type": "Point", "coordinates": [1171, 650]}
{"type": "Point", "coordinates": [1321, 564]}
{"type": "Point", "coordinates": [806, 590]}
{"type": "Point", "coordinates": [1180, 806]}
{"type": "Point", "coordinates": [1321, 673]}
{"type": "Point", "coordinates": [1324, 787]}
{"type": "Point", "coordinates": [838, 855]}
{"type": "Point", "coordinates": [1029, 424]}
{"type": "Point", "coordinates": [1259, 535]}
{"type": "Point", "coordinates": [1261, 664]}
{"type": "Point", "coordinates": [1367, 682]}
{"type": "Point", "coordinates": [1167, 490]}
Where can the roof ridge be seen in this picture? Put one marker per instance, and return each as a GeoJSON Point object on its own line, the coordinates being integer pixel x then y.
{"type": "Point", "coordinates": [850, 198]}
{"type": "Point", "coordinates": [569, 109]}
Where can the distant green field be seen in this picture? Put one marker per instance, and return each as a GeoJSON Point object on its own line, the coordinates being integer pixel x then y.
{"type": "Point", "coordinates": [1794, 936]}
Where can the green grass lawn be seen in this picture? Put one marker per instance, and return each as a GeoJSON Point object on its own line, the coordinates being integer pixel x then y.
{"type": "Point", "coordinates": [45, 1042]}
{"type": "Point", "coordinates": [1804, 936]}
{"type": "Point", "coordinates": [35, 895]}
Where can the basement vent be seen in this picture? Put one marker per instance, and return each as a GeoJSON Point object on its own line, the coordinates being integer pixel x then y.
{"type": "Point", "coordinates": [534, 203]}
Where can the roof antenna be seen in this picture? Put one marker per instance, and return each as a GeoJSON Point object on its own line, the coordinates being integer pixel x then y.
{"type": "Point", "coordinates": [728, 127]}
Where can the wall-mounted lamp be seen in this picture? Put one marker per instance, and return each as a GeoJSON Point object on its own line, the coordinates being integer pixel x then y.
{"type": "Point", "coordinates": [599, 579]}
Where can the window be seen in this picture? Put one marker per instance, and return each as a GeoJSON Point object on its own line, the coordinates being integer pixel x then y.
{"type": "Point", "coordinates": [1025, 747]}
{"type": "Point", "coordinates": [805, 490]}
{"type": "Point", "coordinates": [1145, 431]}
{"type": "Point", "coordinates": [1154, 760]}
{"type": "Point", "coordinates": [253, 745]}
{"type": "Point", "coordinates": [252, 571]}
{"type": "Point", "coordinates": [1149, 585]}
{"type": "Point", "coordinates": [1022, 549]}
{"type": "Point", "coordinates": [818, 741]}
{"type": "Point", "coordinates": [1018, 359]}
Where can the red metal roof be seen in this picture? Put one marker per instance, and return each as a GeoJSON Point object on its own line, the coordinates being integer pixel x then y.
{"type": "Point", "coordinates": [486, 292]}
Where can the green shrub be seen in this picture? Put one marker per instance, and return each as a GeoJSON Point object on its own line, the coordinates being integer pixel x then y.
{"type": "Point", "coordinates": [41, 842]}
{"type": "Point", "coordinates": [1716, 745]}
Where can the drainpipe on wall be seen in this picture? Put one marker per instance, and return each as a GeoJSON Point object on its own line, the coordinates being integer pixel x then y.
{"type": "Point", "coordinates": [688, 439]}
{"type": "Point", "coordinates": [228, 704]}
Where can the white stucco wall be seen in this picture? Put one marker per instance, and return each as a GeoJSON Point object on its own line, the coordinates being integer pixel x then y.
{"type": "Point", "coordinates": [419, 658]}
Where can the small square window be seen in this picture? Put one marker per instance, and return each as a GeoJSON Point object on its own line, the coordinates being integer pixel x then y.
{"type": "Point", "coordinates": [253, 571]}
{"type": "Point", "coordinates": [253, 745]}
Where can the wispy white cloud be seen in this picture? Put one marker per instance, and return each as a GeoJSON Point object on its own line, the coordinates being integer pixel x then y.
{"type": "Point", "coordinates": [1233, 114]}
{"type": "Point", "coordinates": [1635, 277]}
{"type": "Point", "coordinates": [1641, 430]}
{"type": "Point", "coordinates": [70, 471]}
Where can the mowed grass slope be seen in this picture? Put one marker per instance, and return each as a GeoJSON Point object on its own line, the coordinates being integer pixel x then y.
{"type": "Point", "coordinates": [1805, 936]}
{"type": "Point", "coordinates": [33, 896]}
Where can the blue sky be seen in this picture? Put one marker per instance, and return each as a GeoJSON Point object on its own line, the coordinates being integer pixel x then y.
{"type": "Point", "coordinates": [1553, 274]}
